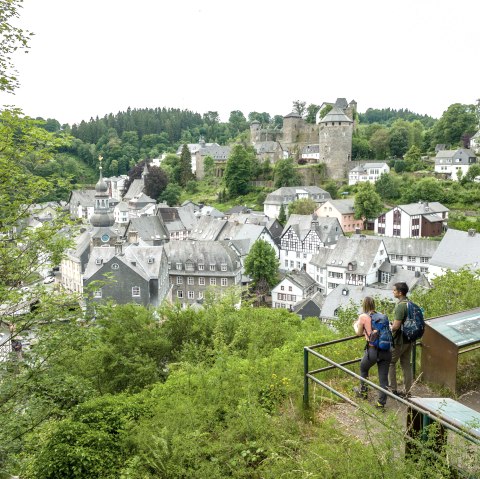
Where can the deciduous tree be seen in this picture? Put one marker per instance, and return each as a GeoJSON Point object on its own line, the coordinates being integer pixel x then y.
{"type": "Point", "coordinates": [261, 264]}
{"type": "Point", "coordinates": [368, 203]}
{"type": "Point", "coordinates": [238, 172]}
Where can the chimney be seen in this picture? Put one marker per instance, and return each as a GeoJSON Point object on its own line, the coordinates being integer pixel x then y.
{"type": "Point", "coordinates": [133, 236]}
{"type": "Point", "coordinates": [118, 248]}
{"type": "Point", "coordinates": [471, 232]}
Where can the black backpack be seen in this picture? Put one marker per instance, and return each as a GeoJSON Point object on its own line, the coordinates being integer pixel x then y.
{"type": "Point", "coordinates": [414, 325]}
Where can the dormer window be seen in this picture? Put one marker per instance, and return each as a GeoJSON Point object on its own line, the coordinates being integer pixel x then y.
{"type": "Point", "coordinates": [201, 266]}
{"type": "Point", "coordinates": [150, 260]}
{"type": "Point", "coordinates": [99, 261]}
{"type": "Point", "coordinates": [224, 267]}
{"type": "Point", "coordinates": [212, 267]}
{"type": "Point", "coordinates": [179, 266]}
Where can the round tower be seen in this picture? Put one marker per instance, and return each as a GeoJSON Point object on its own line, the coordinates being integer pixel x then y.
{"type": "Point", "coordinates": [292, 126]}
{"type": "Point", "coordinates": [255, 128]}
{"type": "Point", "coordinates": [335, 142]}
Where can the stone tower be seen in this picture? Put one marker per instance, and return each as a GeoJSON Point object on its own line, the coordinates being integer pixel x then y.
{"type": "Point", "coordinates": [255, 131]}
{"type": "Point", "coordinates": [335, 142]}
{"type": "Point", "coordinates": [292, 127]}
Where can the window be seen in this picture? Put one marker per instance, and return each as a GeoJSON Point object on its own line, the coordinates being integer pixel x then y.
{"type": "Point", "coordinates": [412, 259]}
{"type": "Point", "coordinates": [179, 266]}
{"type": "Point", "coordinates": [423, 259]}
{"type": "Point", "coordinates": [286, 263]}
{"type": "Point", "coordinates": [115, 266]}
{"type": "Point", "coordinates": [180, 294]}
{"type": "Point", "coordinates": [213, 281]}
{"type": "Point", "coordinates": [189, 267]}
{"type": "Point", "coordinates": [97, 293]}
{"type": "Point", "coordinates": [201, 266]}
{"type": "Point", "coordinates": [282, 288]}
{"type": "Point", "coordinates": [289, 288]}
{"type": "Point", "coordinates": [191, 294]}
{"type": "Point", "coordinates": [223, 267]}
{"type": "Point", "coordinates": [224, 281]}
{"type": "Point", "coordinates": [424, 270]}
{"type": "Point", "coordinates": [190, 280]}
{"type": "Point", "coordinates": [135, 291]}
{"type": "Point", "coordinates": [179, 280]}
{"type": "Point", "coordinates": [212, 267]}
{"type": "Point", "coordinates": [200, 295]}
{"type": "Point", "coordinates": [292, 264]}
{"type": "Point", "coordinates": [201, 281]}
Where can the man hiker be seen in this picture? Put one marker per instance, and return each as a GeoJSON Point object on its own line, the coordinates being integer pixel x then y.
{"type": "Point", "coordinates": [402, 349]}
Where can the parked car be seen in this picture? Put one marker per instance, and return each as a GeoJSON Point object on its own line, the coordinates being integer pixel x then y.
{"type": "Point", "coordinates": [49, 279]}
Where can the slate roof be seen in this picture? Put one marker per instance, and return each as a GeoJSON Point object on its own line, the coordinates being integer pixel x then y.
{"type": "Point", "coordinates": [422, 208]}
{"type": "Point", "coordinates": [456, 250]}
{"type": "Point", "coordinates": [462, 154]}
{"type": "Point", "coordinates": [135, 189]}
{"type": "Point", "coordinates": [300, 278]}
{"type": "Point", "coordinates": [359, 251]}
{"type": "Point", "coordinates": [207, 228]}
{"type": "Point", "coordinates": [408, 246]}
{"type": "Point", "coordinates": [335, 115]}
{"type": "Point", "coordinates": [293, 114]}
{"type": "Point", "coordinates": [85, 198]}
{"type": "Point", "coordinates": [324, 227]}
{"type": "Point", "coordinates": [344, 207]}
{"type": "Point", "coordinates": [206, 252]}
{"type": "Point", "coordinates": [310, 307]}
{"type": "Point", "coordinates": [355, 295]}
{"type": "Point", "coordinates": [149, 228]}
{"type": "Point", "coordinates": [291, 193]}
{"type": "Point", "coordinates": [134, 256]}
{"type": "Point", "coordinates": [217, 152]}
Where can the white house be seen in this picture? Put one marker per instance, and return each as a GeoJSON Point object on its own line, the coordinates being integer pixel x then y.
{"type": "Point", "coordinates": [305, 235]}
{"type": "Point", "coordinates": [353, 261]}
{"type": "Point", "coordinates": [296, 286]}
{"type": "Point", "coordinates": [415, 220]}
{"type": "Point", "coordinates": [451, 162]}
{"type": "Point", "coordinates": [344, 211]}
{"type": "Point", "coordinates": [311, 153]}
{"type": "Point", "coordinates": [368, 172]}
{"type": "Point", "coordinates": [288, 194]}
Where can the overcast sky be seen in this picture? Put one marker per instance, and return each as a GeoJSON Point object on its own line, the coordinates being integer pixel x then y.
{"type": "Point", "coordinates": [94, 57]}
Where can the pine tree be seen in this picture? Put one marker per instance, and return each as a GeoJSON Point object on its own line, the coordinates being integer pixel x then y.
{"type": "Point", "coordinates": [185, 166]}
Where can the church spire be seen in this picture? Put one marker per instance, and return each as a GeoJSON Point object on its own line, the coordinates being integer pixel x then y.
{"type": "Point", "coordinates": [102, 215]}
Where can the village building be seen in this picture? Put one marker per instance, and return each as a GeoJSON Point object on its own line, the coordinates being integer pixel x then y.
{"type": "Point", "coordinates": [415, 220]}
{"type": "Point", "coordinates": [367, 172]}
{"type": "Point", "coordinates": [344, 211]}
{"type": "Point", "coordinates": [294, 287]}
{"type": "Point", "coordinates": [454, 163]}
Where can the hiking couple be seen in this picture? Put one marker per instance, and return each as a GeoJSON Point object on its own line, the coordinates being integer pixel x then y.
{"type": "Point", "coordinates": [385, 345]}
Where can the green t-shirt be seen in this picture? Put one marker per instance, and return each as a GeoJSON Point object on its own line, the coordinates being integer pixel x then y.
{"type": "Point", "coordinates": [400, 314]}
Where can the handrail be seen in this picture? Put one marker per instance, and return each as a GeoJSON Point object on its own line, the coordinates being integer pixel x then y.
{"type": "Point", "coordinates": [466, 433]}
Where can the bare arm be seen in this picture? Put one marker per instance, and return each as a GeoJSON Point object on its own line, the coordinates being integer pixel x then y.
{"type": "Point", "coordinates": [396, 325]}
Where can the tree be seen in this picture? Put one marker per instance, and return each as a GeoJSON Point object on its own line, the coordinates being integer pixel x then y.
{"type": "Point", "coordinates": [171, 194]}
{"type": "Point", "coordinates": [413, 159]}
{"type": "Point", "coordinates": [155, 182]}
{"type": "Point", "coordinates": [399, 141]}
{"type": "Point", "coordinates": [312, 111]}
{"type": "Point", "coordinates": [368, 203]}
{"type": "Point", "coordinates": [13, 39]}
{"type": "Point", "coordinates": [304, 206]}
{"type": "Point", "coordinates": [387, 187]}
{"type": "Point", "coordinates": [299, 107]}
{"type": "Point", "coordinates": [238, 122]}
{"type": "Point", "coordinates": [457, 121]}
{"type": "Point", "coordinates": [285, 173]}
{"type": "Point", "coordinates": [185, 166]}
{"type": "Point", "coordinates": [238, 172]}
{"type": "Point", "coordinates": [261, 264]}
{"type": "Point", "coordinates": [379, 142]}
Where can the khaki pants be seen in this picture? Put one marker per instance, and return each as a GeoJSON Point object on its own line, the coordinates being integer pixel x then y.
{"type": "Point", "coordinates": [404, 354]}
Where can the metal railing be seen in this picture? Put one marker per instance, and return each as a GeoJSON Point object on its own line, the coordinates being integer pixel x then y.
{"type": "Point", "coordinates": [468, 434]}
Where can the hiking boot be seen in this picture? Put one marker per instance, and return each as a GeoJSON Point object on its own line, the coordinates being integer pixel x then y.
{"type": "Point", "coordinates": [401, 394]}
{"type": "Point", "coordinates": [360, 394]}
{"type": "Point", "coordinates": [379, 406]}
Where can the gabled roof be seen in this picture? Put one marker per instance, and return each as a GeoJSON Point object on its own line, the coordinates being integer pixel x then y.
{"type": "Point", "coordinates": [309, 149]}
{"type": "Point", "coordinates": [409, 246]}
{"type": "Point", "coordinates": [291, 193]}
{"type": "Point", "coordinates": [149, 228]}
{"type": "Point", "coordinates": [310, 306]}
{"type": "Point", "coordinates": [267, 147]}
{"type": "Point", "coordinates": [207, 228]}
{"type": "Point", "coordinates": [323, 227]}
{"type": "Point", "coordinates": [133, 256]}
{"type": "Point", "coordinates": [85, 198]}
{"type": "Point", "coordinates": [458, 249]}
{"type": "Point", "coordinates": [423, 208]}
{"type": "Point", "coordinates": [135, 189]}
{"type": "Point", "coordinates": [205, 252]}
{"type": "Point", "coordinates": [344, 207]}
{"type": "Point", "coordinates": [361, 250]}
{"type": "Point", "coordinates": [299, 278]}
{"type": "Point", "coordinates": [217, 152]}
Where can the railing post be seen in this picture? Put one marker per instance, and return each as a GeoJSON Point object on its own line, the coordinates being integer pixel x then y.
{"type": "Point", "coordinates": [305, 378]}
{"type": "Point", "coordinates": [414, 359]}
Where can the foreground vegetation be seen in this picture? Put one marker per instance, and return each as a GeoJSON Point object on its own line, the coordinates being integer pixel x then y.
{"type": "Point", "coordinates": [172, 393]}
